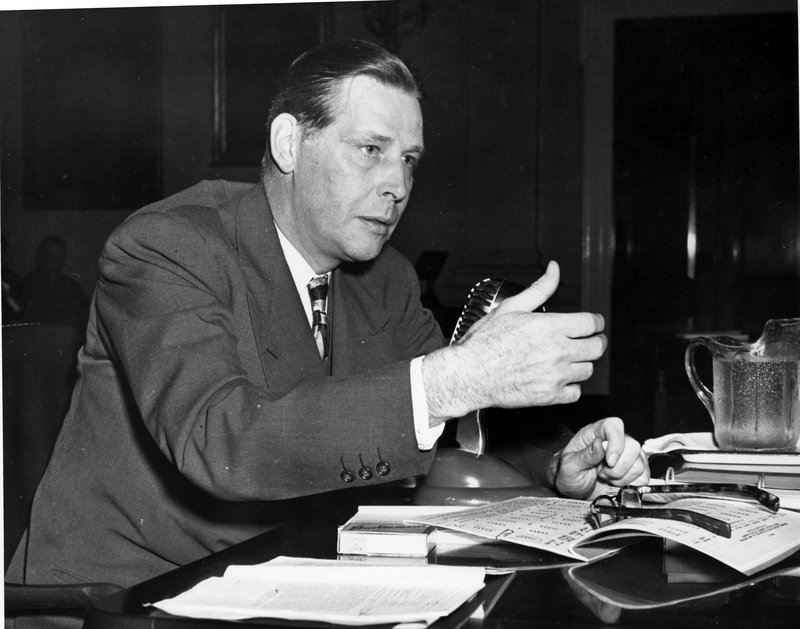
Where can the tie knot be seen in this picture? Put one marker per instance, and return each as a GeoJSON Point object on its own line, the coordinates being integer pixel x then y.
{"type": "Point", "coordinates": [318, 288]}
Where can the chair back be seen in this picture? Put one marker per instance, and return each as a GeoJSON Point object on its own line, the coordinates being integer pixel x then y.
{"type": "Point", "coordinates": [39, 372]}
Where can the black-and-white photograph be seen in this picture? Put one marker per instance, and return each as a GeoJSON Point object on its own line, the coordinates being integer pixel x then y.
{"type": "Point", "coordinates": [400, 313]}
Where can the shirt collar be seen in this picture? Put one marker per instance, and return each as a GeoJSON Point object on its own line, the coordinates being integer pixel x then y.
{"type": "Point", "coordinates": [301, 271]}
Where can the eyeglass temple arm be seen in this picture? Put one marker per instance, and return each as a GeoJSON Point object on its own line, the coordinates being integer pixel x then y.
{"type": "Point", "coordinates": [764, 498]}
{"type": "Point", "coordinates": [713, 525]}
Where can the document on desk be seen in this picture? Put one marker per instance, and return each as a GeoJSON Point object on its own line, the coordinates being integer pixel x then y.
{"type": "Point", "coordinates": [462, 549]}
{"type": "Point", "coordinates": [293, 588]}
{"type": "Point", "coordinates": [758, 539]}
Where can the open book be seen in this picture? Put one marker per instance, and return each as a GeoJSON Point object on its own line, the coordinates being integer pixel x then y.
{"type": "Point", "coordinates": [758, 538]}
{"type": "Point", "coordinates": [333, 591]}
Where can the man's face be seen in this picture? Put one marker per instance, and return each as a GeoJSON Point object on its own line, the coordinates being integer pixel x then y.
{"type": "Point", "coordinates": [352, 179]}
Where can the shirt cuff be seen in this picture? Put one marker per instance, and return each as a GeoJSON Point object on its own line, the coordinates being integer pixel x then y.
{"type": "Point", "coordinates": [426, 436]}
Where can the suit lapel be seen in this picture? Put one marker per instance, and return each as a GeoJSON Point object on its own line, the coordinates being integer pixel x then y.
{"type": "Point", "coordinates": [279, 322]}
{"type": "Point", "coordinates": [359, 335]}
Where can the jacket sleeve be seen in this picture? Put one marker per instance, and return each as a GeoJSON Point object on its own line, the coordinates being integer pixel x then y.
{"type": "Point", "coordinates": [165, 302]}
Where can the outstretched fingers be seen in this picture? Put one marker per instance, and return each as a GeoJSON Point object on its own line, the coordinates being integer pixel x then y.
{"type": "Point", "coordinates": [586, 325]}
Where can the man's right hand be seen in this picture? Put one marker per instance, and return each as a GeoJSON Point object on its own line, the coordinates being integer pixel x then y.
{"type": "Point", "coordinates": [514, 357]}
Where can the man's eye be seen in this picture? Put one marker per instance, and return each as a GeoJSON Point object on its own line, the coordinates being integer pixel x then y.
{"type": "Point", "coordinates": [411, 161]}
{"type": "Point", "coordinates": [370, 150]}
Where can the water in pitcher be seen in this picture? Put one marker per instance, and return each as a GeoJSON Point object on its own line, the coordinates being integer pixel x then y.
{"type": "Point", "coordinates": [753, 410]}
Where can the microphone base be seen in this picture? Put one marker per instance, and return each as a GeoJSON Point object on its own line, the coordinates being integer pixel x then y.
{"type": "Point", "coordinates": [461, 478]}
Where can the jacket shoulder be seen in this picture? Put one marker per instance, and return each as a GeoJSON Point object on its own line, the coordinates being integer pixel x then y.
{"type": "Point", "coordinates": [197, 209]}
{"type": "Point", "coordinates": [207, 193]}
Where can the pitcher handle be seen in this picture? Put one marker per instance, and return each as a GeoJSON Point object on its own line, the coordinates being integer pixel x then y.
{"type": "Point", "coordinates": [703, 392]}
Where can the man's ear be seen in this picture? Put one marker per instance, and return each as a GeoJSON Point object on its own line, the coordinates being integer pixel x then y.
{"type": "Point", "coordinates": [284, 138]}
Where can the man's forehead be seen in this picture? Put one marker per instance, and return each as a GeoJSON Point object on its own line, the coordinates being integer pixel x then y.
{"type": "Point", "coordinates": [366, 102]}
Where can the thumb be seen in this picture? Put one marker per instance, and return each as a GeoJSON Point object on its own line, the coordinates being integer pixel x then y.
{"type": "Point", "coordinates": [536, 294]}
{"type": "Point", "coordinates": [592, 455]}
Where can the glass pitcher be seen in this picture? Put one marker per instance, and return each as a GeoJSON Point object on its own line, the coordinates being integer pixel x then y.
{"type": "Point", "coordinates": [755, 404]}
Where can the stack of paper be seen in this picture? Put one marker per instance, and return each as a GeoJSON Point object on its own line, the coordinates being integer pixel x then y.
{"type": "Point", "coordinates": [330, 591]}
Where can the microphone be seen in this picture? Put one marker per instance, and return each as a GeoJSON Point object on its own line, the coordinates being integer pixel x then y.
{"type": "Point", "coordinates": [484, 297]}
{"type": "Point", "coordinates": [467, 475]}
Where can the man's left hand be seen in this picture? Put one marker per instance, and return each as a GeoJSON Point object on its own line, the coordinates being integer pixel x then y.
{"type": "Point", "coordinates": [599, 455]}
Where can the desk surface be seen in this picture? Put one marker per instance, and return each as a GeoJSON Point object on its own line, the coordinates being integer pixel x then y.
{"type": "Point", "coordinates": [547, 593]}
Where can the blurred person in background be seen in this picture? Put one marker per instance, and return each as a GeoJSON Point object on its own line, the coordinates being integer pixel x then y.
{"type": "Point", "coordinates": [46, 295]}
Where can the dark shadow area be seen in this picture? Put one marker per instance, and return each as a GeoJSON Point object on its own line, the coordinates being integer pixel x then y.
{"type": "Point", "coordinates": [38, 375]}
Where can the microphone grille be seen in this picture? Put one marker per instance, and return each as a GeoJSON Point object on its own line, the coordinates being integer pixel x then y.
{"type": "Point", "coordinates": [484, 297]}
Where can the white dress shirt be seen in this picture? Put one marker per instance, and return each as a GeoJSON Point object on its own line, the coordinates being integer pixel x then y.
{"type": "Point", "coordinates": [302, 273]}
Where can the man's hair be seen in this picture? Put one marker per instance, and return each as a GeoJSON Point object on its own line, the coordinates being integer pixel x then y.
{"type": "Point", "coordinates": [310, 86]}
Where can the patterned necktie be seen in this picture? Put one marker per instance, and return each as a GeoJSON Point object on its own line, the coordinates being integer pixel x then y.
{"type": "Point", "coordinates": [318, 290]}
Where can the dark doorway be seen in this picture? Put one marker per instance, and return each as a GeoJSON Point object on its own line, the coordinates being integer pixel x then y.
{"type": "Point", "coordinates": [705, 199]}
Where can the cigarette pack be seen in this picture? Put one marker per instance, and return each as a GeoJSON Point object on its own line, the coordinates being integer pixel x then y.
{"type": "Point", "coordinates": [394, 539]}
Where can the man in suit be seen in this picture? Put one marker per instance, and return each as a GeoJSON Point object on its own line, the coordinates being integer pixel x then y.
{"type": "Point", "coordinates": [218, 394]}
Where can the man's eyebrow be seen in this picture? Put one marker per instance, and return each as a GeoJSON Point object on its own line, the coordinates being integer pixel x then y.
{"type": "Point", "coordinates": [385, 139]}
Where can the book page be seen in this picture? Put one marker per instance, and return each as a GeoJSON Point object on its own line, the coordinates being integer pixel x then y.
{"type": "Point", "coordinates": [457, 548]}
{"type": "Point", "coordinates": [330, 591]}
{"type": "Point", "coordinates": [553, 524]}
{"type": "Point", "coordinates": [758, 538]}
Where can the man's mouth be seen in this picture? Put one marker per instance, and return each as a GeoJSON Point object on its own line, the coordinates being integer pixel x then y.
{"type": "Point", "coordinates": [379, 225]}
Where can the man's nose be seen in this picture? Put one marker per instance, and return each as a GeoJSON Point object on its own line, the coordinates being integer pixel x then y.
{"type": "Point", "coordinates": [396, 180]}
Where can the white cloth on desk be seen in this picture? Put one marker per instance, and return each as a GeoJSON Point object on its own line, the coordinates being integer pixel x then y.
{"type": "Point", "coordinates": [680, 441]}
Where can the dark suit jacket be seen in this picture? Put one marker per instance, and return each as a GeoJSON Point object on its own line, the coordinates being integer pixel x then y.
{"type": "Point", "coordinates": [203, 413]}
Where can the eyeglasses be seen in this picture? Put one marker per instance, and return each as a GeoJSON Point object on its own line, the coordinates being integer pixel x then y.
{"type": "Point", "coordinates": [629, 500]}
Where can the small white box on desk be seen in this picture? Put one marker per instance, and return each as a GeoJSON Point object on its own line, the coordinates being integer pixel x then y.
{"type": "Point", "coordinates": [393, 539]}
